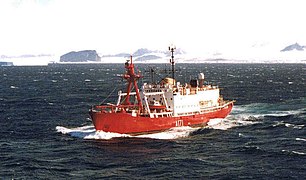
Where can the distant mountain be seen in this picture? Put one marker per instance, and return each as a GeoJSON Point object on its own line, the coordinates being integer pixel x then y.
{"type": "Point", "coordinates": [144, 54]}
{"type": "Point", "coordinates": [146, 58]}
{"type": "Point", "coordinates": [292, 47]}
{"type": "Point", "coordinates": [25, 56]}
{"type": "Point", "coordinates": [6, 63]}
{"type": "Point", "coordinates": [81, 56]}
{"type": "Point", "coordinates": [123, 55]}
{"type": "Point", "coordinates": [141, 52]}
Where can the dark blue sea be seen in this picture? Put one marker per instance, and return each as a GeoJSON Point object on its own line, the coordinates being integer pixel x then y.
{"type": "Point", "coordinates": [46, 133]}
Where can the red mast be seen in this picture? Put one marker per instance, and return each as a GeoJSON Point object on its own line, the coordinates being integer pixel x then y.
{"type": "Point", "coordinates": [131, 78]}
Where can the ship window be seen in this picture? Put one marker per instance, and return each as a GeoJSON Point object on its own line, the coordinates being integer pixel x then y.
{"type": "Point", "coordinates": [171, 98]}
{"type": "Point", "coordinates": [153, 98]}
{"type": "Point", "coordinates": [168, 106]}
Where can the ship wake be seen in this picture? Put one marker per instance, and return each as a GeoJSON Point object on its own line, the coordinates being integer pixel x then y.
{"type": "Point", "coordinates": [89, 132]}
{"type": "Point", "coordinates": [243, 115]}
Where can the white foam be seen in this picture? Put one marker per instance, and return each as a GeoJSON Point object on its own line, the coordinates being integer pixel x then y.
{"type": "Point", "coordinates": [300, 139]}
{"type": "Point", "coordinates": [288, 125]}
{"type": "Point", "coordinates": [214, 122]}
{"type": "Point", "coordinates": [294, 126]}
{"type": "Point", "coordinates": [243, 115]}
{"type": "Point", "coordinates": [173, 133]}
{"type": "Point", "coordinates": [283, 113]}
{"type": "Point", "coordinates": [300, 153]}
{"type": "Point", "coordinates": [260, 110]}
{"type": "Point", "coordinates": [220, 124]}
{"type": "Point", "coordinates": [89, 132]}
{"type": "Point", "coordinates": [294, 152]}
{"type": "Point", "coordinates": [104, 135]}
{"type": "Point", "coordinates": [80, 132]}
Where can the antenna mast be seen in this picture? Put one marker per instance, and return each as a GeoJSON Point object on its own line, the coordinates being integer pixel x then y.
{"type": "Point", "coordinates": [171, 49]}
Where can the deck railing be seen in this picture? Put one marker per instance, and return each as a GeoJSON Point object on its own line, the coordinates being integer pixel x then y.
{"type": "Point", "coordinates": [114, 108]}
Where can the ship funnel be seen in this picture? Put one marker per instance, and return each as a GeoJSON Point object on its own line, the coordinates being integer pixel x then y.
{"type": "Point", "coordinates": [201, 79]}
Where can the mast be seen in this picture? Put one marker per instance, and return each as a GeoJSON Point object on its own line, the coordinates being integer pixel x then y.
{"type": "Point", "coordinates": [132, 78]}
{"type": "Point", "coordinates": [171, 49]}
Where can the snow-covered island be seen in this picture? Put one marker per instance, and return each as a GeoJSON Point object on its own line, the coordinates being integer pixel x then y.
{"type": "Point", "coordinates": [257, 53]}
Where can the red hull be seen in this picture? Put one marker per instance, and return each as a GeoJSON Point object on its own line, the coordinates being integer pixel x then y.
{"type": "Point", "coordinates": [125, 123]}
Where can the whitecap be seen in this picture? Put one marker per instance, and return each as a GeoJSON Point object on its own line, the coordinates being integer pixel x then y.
{"type": "Point", "coordinates": [294, 126]}
{"type": "Point", "coordinates": [87, 80]}
{"type": "Point", "coordinates": [300, 139]}
{"type": "Point", "coordinates": [54, 81]}
{"type": "Point", "coordinates": [241, 135]}
{"type": "Point", "coordinates": [14, 87]}
{"type": "Point", "coordinates": [294, 152]}
{"type": "Point", "coordinates": [299, 153]}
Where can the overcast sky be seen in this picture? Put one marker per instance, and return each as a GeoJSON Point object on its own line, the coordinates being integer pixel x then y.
{"type": "Point", "coordinates": [111, 26]}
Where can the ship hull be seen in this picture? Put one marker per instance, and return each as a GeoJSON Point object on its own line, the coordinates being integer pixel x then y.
{"type": "Point", "coordinates": [126, 123]}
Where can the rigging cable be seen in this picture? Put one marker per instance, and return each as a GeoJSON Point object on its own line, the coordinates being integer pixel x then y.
{"type": "Point", "coordinates": [109, 95]}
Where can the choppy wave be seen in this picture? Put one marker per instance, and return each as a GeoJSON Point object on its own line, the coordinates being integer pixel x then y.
{"type": "Point", "coordinates": [260, 110]}
{"type": "Point", "coordinates": [288, 125]}
{"type": "Point", "coordinates": [265, 129]}
{"type": "Point", "coordinates": [294, 152]}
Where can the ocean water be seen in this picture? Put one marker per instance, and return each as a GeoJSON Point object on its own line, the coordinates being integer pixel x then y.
{"type": "Point", "coordinates": [46, 133]}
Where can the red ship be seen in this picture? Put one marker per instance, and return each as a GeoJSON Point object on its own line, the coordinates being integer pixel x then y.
{"type": "Point", "coordinates": [159, 107]}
